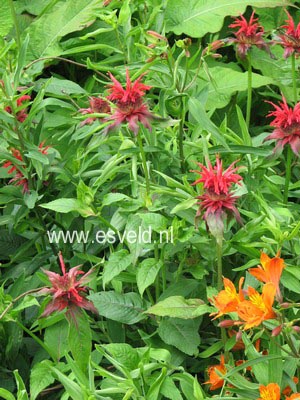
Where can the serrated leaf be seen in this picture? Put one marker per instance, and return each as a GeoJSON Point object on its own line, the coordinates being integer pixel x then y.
{"type": "Point", "coordinates": [116, 263]}
{"type": "Point", "coordinates": [40, 378]}
{"type": "Point", "coordinates": [80, 339]}
{"type": "Point", "coordinates": [179, 307]}
{"type": "Point", "coordinates": [181, 334]}
{"type": "Point", "coordinates": [126, 308]}
{"type": "Point", "coordinates": [62, 18]}
{"type": "Point", "coordinates": [195, 18]}
{"type": "Point", "coordinates": [146, 273]}
{"type": "Point", "coordinates": [126, 355]}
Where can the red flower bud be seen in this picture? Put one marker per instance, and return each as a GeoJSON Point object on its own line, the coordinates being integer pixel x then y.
{"type": "Point", "coordinates": [276, 331]}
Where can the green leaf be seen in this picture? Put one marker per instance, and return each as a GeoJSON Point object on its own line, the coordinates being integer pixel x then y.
{"type": "Point", "coordinates": [6, 21]}
{"type": "Point", "coordinates": [197, 17]}
{"type": "Point", "coordinates": [72, 388]}
{"type": "Point", "coordinates": [80, 339]}
{"type": "Point", "coordinates": [146, 273]}
{"type": "Point", "coordinates": [62, 18]}
{"type": "Point", "coordinates": [117, 263]}
{"type": "Point", "coordinates": [6, 395]}
{"type": "Point", "coordinates": [260, 370]}
{"type": "Point", "coordinates": [125, 354]}
{"type": "Point", "coordinates": [157, 222]}
{"type": "Point", "coordinates": [113, 198]}
{"type": "Point", "coordinates": [126, 308]}
{"type": "Point", "coordinates": [56, 339]}
{"type": "Point", "coordinates": [184, 205]}
{"type": "Point", "coordinates": [179, 307]}
{"type": "Point", "coordinates": [275, 366]}
{"type": "Point", "coordinates": [169, 389]}
{"type": "Point", "coordinates": [198, 113]}
{"type": "Point", "coordinates": [68, 205]}
{"type": "Point", "coordinates": [40, 378]}
{"type": "Point", "coordinates": [22, 393]}
{"type": "Point", "coordinates": [58, 87]}
{"type": "Point", "coordinates": [181, 334]}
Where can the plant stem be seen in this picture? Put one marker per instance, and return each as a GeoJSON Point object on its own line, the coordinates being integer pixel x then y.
{"type": "Point", "coordinates": [144, 162]}
{"type": "Point", "coordinates": [249, 92]}
{"type": "Point", "coordinates": [220, 280]}
{"type": "Point", "coordinates": [15, 19]}
{"type": "Point", "coordinates": [180, 137]}
{"type": "Point", "coordinates": [288, 172]}
{"type": "Point", "coordinates": [294, 78]}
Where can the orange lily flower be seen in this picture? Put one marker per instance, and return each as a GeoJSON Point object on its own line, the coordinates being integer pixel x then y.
{"type": "Point", "coordinates": [269, 392]}
{"type": "Point", "coordinates": [227, 300]}
{"type": "Point", "coordinates": [259, 307]}
{"type": "Point", "coordinates": [295, 396]}
{"type": "Point", "coordinates": [288, 390]}
{"type": "Point", "coordinates": [216, 380]}
{"type": "Point", "coordinates": [270, 270]}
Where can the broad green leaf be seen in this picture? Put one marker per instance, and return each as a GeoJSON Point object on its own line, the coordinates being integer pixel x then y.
{"type": "Point", "coordinates": [184, 205]}
{"type": "Point", "coordinates": [62, 18]}
{"type": "Point", "coordinates": [126, 308]}
{"type": "Point", "coordinates": [170, 390]}
{"type": "Point", "coordinates": [116, 263]}
{"type": "Point", "coordinates": [56, 339]}
{"type": "Point", "coordinates": [113, 198]}
{"type": "Point", "coordinates": [59, 87]}
{"type": "Point", "coordinates": [40, 378]}
{"type": "Point", "coordinates": [6, 395]}
{"type": "Point", "coordinates": [179, 307]}
{"type": "Point", "coordinates": [146, 273]}
{"type": "Point", "coordinates": [154, 389]}
{"type": "Point", "coordinates": [68, 205]}
{"type": "Point", "coordinates": [181, 334]}
{"type": "Point", "coordinates": [275, 366]}
{"type": "Point", "coordinates": [80, 339]}
{"type": "Point", "coordinates": [125, 354]}
{"type": "Point", "coordinates": [75, 391]}
{"type": "Point", "coordinates": [6, 21]}
{"type": "Point", "coordinates": [198, 17]}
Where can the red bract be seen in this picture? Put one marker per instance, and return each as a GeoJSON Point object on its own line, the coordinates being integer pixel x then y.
{"type": "Point", "coordinates": [217, 199]}
{"type": "Point", "coordinates": [249, 34]}
{"type": "Point", "coordinates": [287, 125]}
{"type": "Point", "coordinates": [290, 39]}
{"type": "Point", "coordinates": [67, 290]}
{"type": "Point", "coordinates": [22, 114]}
{"type": "Point", "coordinates": [97, 105]}
{"type": "Point", "coordinates": [130, 106]}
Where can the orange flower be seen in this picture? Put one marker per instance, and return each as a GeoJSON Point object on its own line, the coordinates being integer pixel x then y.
{"type": "Point", "coordinates": [259, 307]}
{"type": "Point", "coordinates": [227, 300]}
{"type": "Point", "coordinates": [288, 390]}
{"type": "Point", "coordinates": [215, 380]}
{"type": "Point", "coordinates": [295, 396]}
{"type": "Point", "coordinates": [270, 270]}
{"type": "Point", "coordinates": [269, 392]}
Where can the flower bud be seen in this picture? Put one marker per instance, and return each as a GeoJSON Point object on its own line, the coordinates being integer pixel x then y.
{"type": "Point", "coordinates": [276, 331]}
{"type": "Point", "coordinates": [227, 323]}
{"type": "Point", "coordinates": [296, 329]}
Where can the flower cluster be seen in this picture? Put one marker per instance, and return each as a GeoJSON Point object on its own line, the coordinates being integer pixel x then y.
{"type": "Point", "coordinates": [16, 168]}
{"type": "Point", "coordinates": [290, 38]}
{"type": "Point", "coordinates": [21, 108]}
{"type": "Point", "coordinates": [255, 309]}
{"type": "Point", "coordinates": [129, 105]}
{"type": "Point", "coordinates": [272, 392]}
{"type": "Point", "coordinates": [249, 34]}
{"type": "Point", "coordinates": [217, 199]}
{"type": "Point", "coordinates": [66, 290]}
{"type": "Point", "coordinates": [287, 126]}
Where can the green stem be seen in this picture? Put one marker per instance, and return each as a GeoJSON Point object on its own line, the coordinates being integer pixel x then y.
{"type": "Point", "coordinates": [15, 19]}
{"type": "Point", "coordinates": [288, 172]}
{"type": "Point", "coordinates": [249, 92]}
{"type": "Point", "coordinates": [294, 78]}
{"type": "Point", "coordinates": [219, 250]}
{"type": "Point", "coordinates": [144, 162]}
{"type": "Point", "coordinates": [180, 138]}
{"type": "Point", "coordinates": [157, 280]}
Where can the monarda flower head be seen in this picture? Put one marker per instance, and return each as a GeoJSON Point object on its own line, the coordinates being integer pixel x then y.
{"type": "Point", "coordinates": [290, 38]}
{"type": "Point", "coordinates": [130, 105]}
{"type": "Point", "coordinates": [97, 105]}
{"type": "Point", "coordinates": [287, 126]}
{"type": "Point", "coordinates": [217, 200]}
{"type": "Point", "coordinates": [248, 34]}
{"type": "Point", "coordinates": [67, 290]}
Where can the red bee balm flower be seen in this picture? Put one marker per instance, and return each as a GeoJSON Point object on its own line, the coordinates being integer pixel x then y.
{"type": "Point", "coordinates": [290, 40]}
{"type": "Point", "coordinates": [96, 106]}
{"type": "Point", "coordinates": [130, 106]}
{"type": "Point", "coordinates": [67, 290]}
{"type": "Point", "coordinates": [217, 199]}
{"type": "Point", "coordinates": [249, 34]}
{"type": "Point", "coordinates": [287, 125]}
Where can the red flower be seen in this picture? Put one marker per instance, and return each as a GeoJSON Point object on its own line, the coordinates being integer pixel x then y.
{"type": "Point", "coordinates": [130, 106]}
{"type": "Point", "coordinates": [96, 106]}
{"type": "Point", "coordinates": [67, 290]}
{"type": "Point", "coordinates": [290, 39]}
{"type": "Point", "coordinates": [287, 124]}
{"type": "Point", "coordinates": [19, 178]}
{"type": "Point", "coordinates": [21, 114]}
{"type": "Point", "coordinates": [249, 34]}
{"type": "Point", "coordinates": [217, 199]}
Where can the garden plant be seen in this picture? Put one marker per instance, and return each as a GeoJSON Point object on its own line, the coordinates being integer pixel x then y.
{"type": "Point", "coordinates": [149, 199]}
